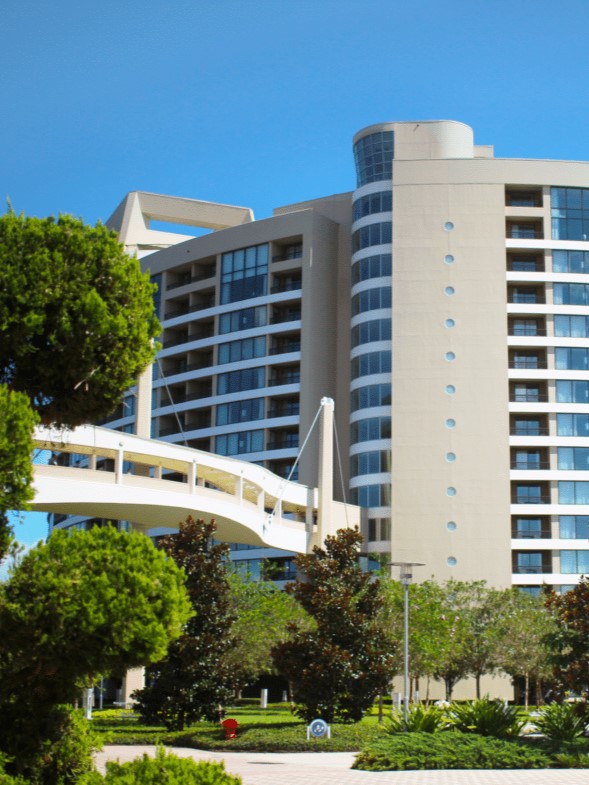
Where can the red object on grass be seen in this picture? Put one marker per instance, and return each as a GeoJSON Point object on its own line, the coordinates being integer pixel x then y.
{"type": "Point", "coordinates": [230, 726]}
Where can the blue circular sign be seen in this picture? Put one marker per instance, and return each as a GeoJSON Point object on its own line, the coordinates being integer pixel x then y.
{"type": "Point", "coordinates": [318, 728]}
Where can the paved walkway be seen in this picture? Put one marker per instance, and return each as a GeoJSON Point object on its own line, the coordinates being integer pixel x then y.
{"type": "Point", "coordinates": [333, 768]}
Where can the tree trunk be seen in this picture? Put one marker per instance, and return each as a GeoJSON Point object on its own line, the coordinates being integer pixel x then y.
{"type": "Point", "coordinates": [539, 696]}
{"type": "Point", "coordinates": [380, 712]}
{"type": "Point", "coordinates": [478, 686]}
{"type": "Point", "coordinates": [527, 690]}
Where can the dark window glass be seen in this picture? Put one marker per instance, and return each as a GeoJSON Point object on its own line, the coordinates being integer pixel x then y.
{"type": "Point", "coordinates": [246, 319]}
{"type": "Point", "coordinates": [381, 202]}
{"type": "Point", "coordinates": [372, 234]}
{"type": "Point", "coordinates": [379, 266]}
{"type": "Point", "coordinates": [370, 396]}
{"type": "Point", "coordinates": [371, 300]}
{"type": "Point", "coordinates": [570, 213]}
{"type": "Point", "coordinates": [367, 332]}
{"type": "Point", "coordinates": [244, 274]}
{"type": "Point", "coordinates": [236, 381]}
{"type": "Point", "coordinates": [373, 156]}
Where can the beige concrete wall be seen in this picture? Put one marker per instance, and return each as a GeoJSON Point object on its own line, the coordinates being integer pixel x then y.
{"type": "Point", "coordinates": [421, 406]}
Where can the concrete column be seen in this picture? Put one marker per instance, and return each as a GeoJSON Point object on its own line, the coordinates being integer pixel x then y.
{"type": "Point", "coordinates": [326, 523]}
{"type": "Point", "coordinates": [134, 679]}
{"type": "Point", "coordinates": [143, 408]}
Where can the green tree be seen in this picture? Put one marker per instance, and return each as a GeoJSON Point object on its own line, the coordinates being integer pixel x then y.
{"type": "Point", "coordinates": [194, 679]}
{"type": "Point", "coordinates": [17, 421]}
{"type": "Point", "coordinates": [81, 605]}
{"type": "Point", "coordinates": [76, 317]}
{"type": "Point", "coordinates": [525, 628]}
{"type": "Point", "coordinates": [76, 328]}
{"type": "Point", "coordinates": [337, 669]}
{"type": "Point", "coordinates": [262, 615]}
{"type": "Point", "coordinates": [570, 640]}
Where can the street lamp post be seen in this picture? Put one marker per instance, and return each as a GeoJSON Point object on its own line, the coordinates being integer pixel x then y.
{"type": "Point", "coordinates": [406, 576]}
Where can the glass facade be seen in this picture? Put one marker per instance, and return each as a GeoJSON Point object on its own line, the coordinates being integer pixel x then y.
{"type": "Point", "coordinates": [371, 363]}
{"type": "Point", "coordinates": [571, 326]}
{"type": "Point", "coordinates": [245, 319]}
{"type": "Point", "coordinates": [244, 274]}
{"type": "Point", "coordinates": [570, 492]}
{"type": "Point", "coordinates": [381, 202]}
{"type": "Point", "coordinates": [571, 294]}
{"type": "Point", "coordinates": [372, 462]}
{"type": "Point", "coordinates": [574, 527]}
{"type": "Point", "coordinates": [572, 424]}
{"type": "Point", "coordinates": [371, 300]}
{"type": "Point", "coordinates": [574, 562]}
{"type": "Point", "coordinates": [572, 359]}
{"type": "Point", "coordinates": [373, 156]}
{"type": "Point", "coordinates": [570, 213]}
{"type": "Point", "coordinates": [237, 381]}
{"type": "Point", "coordinates": [570, 261]}
{"type": "Point", "coordinates": [375, 330]}
{"type": "Point", "coordinates": [379, 266]}
{"type": "Point", "coordinates": [573, 458]}
{"type": "Point", "coordinates": [239, 443]}
{"type": "Point", "coordinates": [240, 411]}
{"type": "Point", "coordinates": [370, 396]}
{"type": "Point", "coordinates": [572, 391]}
{"type": "Point", "coordinates": [372, 234]}
{"type": "Point", "coordinates": [371, 429]}
{"type": "Point", "coordinates": [245, 349]}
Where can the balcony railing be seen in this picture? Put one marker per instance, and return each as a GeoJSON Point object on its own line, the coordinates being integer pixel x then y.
{"type": "Point", "coordinates": [190, 309]}
{"type": "Point", "coordinates": [186, 279]}
{"type": "Point", "coordinates": [291, 378]}
{"type": "Point", "coordinates": [294, 346]}
{"type": "Point", "coordinates": [536, 569]}
{"type": "Point", "coordinates": [527, 298]}
{"type": "Point", "coordinates": [527, 330]}
{"type": "Point", "coordinates": [525, 233]}
{"type": "Point", "coordinates": [531, 430]}
{"type": "Point", "coordinates": [531, 465]}
{"type": "Point", "coordinates": [530, 499]}
{"type": "Point", "coordinates": [283, 443]}
{"type": "Point", "coordinates": [289, 316]}
{"type": "Point", "coordinates": [197, 336]}
{"type": "Point", "coordinates": [284, 411]}
{"type": "Point", "coordinates": [531, 396]}
{"type": "Point", "coordinates": [525, 266]}
{"type": "Point", "coordinates": [285, 286]}
{"type": "Point", "coordinates": [530, 363]}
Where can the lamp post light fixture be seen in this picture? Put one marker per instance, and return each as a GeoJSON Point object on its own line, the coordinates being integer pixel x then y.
{"type": "Point", "coordinates": [406, 576]}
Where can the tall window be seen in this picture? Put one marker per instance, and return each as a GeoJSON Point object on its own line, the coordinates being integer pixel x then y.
{"type": "Point", "coordinates": [244, 274]}
{"type": "Point", "coordinates": [572, 391]}
{"type": "Point", "coordinates": [570, 213]}
{"type": "Point", "coordinates": [245, 349]}
{"type": "Point", "coordinates": [574, 527]}
{"type": "Point", "coordinates": [240, 411]}
{"type": "Point", "coordinates": [245, 319]}
{"type": "Point", "coordinates": [240, 443]}
{"type": "Point", "coordinates": [378, 266]}
{"type": "Point", "coordinates": [372, 234]}
{"type": "Point", "coordinates": [373, 155]}
{"type": "Point", "coordinates": [572, 359]}
{"type": "Point", "coordinates": [236, 381]}
{"type": "Point", "coordinates": [574, 562]}
{"type": "Point", "coordinates": [570, 261]}
{"type": "Point", "coordinates": [370, 396]}
{"type": "Point", "coordinates": [381, 202]}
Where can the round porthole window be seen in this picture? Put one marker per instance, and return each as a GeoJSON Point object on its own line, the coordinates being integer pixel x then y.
{"type": "Point", "coordinates": [449, 290]}
{"type": "Point", "coordinates": [450, 323]}
{"type": "Point", "coordinates": [451, 561]}
{"type": "Point", "coordinates": [451, 491]}
{"type": "Point", "coordinates": [448, 226]}
{"type": "Point", "coordinates": [448, 259]}
{"type": "Point", "coordinates": [450, 423]}
{"type": "Point", "coordinates": [450, 389]}
{"type": "Point", "coordinates": [450, 356]}
{"type": "Point", "coordinates": [450, 457]}
{"type": "Point", "coordinates": [451, 526]}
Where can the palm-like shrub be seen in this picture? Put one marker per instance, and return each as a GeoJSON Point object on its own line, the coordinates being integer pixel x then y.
{"type": "Point", "coordinates": [488, 718]}
{"type": "Point", "coordinates": [562, 721]}
{"type": "Point", "coordinates": [420, 719]}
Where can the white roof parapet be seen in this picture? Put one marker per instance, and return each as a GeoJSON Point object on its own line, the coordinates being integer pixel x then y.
{"type": "Point", "coordinates": [132, 218]}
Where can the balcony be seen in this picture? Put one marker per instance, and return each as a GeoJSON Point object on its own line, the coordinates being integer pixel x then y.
{"type": "Point", "coordinates": [529, 430]}
{"type": "Point", "coordinates": [530, 498]}
{"type": "Point", "coordinates": [529, 465]}
{"type": "Point", "coordinates": [280, 317]}
{"type": "Point", "coordinates": [525, 230]}
{"type": "Point", "coordinates": [283, 441]}
{"type": "Point", "coordinates": [529, 329]}
{"type": "Point", "coordinates": [286, 347]}
{"type": "Point", "coordinates": [286, 285]}
{"type": "Point", "coordinates": [292, 410]}
{"type": "Point", "coordinates": [197, 335]}
{"type": "Point", "coordinates": [527, 363]}
{"type": "Point", "coordinates": [515, 197]}
{"type": "Point", "coordinates": [529, 297]}
{"type": "Point", "coordinates": [186, 278]}
{"type": "Point", "coordinates": [528, 396]}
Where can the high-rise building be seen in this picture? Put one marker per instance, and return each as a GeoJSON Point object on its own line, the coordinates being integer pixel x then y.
{"type": "Point", "coordinates": [443, 304]}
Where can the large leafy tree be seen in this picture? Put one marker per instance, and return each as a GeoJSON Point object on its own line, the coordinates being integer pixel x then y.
{"type": "Point", "coordinates": [194, 678]}
{"type": "Point", "coordinates": [17, 421]}
{"type": "Point", "coordinates": [76, 328]}
{"type": "Point", "coordinates": [338, 668]}
{"type": "Point", "coordinates": [570, 640]}
{"type": "Point", "coordinates": [76, 317]}
{"type": "Point", "coordinates": [81, 605]}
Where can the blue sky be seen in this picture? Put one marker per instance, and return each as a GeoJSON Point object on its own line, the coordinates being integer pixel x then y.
{"type": "Point", "coordinates": [255, 103]}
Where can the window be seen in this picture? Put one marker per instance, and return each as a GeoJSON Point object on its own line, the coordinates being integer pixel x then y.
{"type": "Point", "coordinates": [372, 495]}
{"type": "Point", "coordinates": [381, 202]}
{"type": "Point", "coordinates": [526, 392]}
{"type": "Point", "coordinates": [570, 492]}
{"type": "Point", "coordinates": [371, 396]}
{"type": "Point", "coordinates": [379, 529]}
{"type": "Point", "coordinates": [530, 494]}
{"type": "Point", "coordinates": [572, 424]}
{"type": "Point", "coordinates": [372, 234]}
{"type": "Point", "coordinates": [236, 381]}
{"type": "Point", "coordinates": [526, 459]}
{"type": "Point", "coordinates": [244, 273]}
{"type": "Point", "coordinates": [379, 266]}
{"type": "Point", "coordinates": [572, 391]}
{"type": "Point", "coordinates": [373, 156]}
{"type": "Point", "coordinates": [245, 349]}
{"type": "Point", "coordinates": [571, 293]}
{"type": "Point", "coordinates": [574, 562]}
{"type": "Point", "coordinates": [570, 213]}
{"type": "Point", "coordinates": [373, 462]}
{"type": "Point", "coordinates": [573, 458]}
{"type": "Point", "coordinates": [371, 300]}
{"type": "Point", "coordinates": [572, 359]}
{"type": "Point", "coordinates": [529, 562]}
{"type": "Point", "coordinates": [367, 332]}
{"type": "Point", "coordinates": [527, 427]}
{"type": "Point", "coordinates": [240, 411]}
{"type": "Point", "coordinates": [570, 261]}
{"type": "Point", "coordinates": [530, 528]}
{"type": "Point", "coordinates": [371, 363]}
{"type": "Point", "coordinates": [574, 527]}
{"type": "Point", "coordinates": [371, 429]}
{"type": "Point", "coordinates": [246, 319]}
{"type": "Point", "coordinates": [571, 326]}
{"type": "Point", "coordinates": [239, 443]}
{"type": "Point", "coordinates": [525, 327]}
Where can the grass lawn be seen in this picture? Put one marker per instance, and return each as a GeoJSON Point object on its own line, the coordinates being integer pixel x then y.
{"type": "Point", "coordinates": [273, 729]}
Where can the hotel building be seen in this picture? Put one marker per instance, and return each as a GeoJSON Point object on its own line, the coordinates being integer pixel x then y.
{"type": "Point", "coordinates": [443, 304]}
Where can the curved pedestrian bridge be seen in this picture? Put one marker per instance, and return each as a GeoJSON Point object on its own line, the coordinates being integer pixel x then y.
{"type": "Point", "coordinates": [99, 472]}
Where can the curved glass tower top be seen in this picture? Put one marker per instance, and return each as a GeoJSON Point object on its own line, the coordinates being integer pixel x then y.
{"type": "Point", "coordinates": [373, 155]}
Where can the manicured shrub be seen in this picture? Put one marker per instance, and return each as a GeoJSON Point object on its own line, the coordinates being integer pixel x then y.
{"type": "Point", "coordinates": [164, 769]}
{"type": "Point", "coordinates": [562, 722]}
{"type": "Point", "coordinates": [488, 718]}
{"type": "Point", "coordinates": [452, 750]}
{"type": "Point", "coordinates": [424, 719]}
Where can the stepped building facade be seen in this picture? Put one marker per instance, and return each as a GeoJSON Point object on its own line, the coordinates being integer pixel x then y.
{"type": "Point", "coordinates": [443, 303]}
